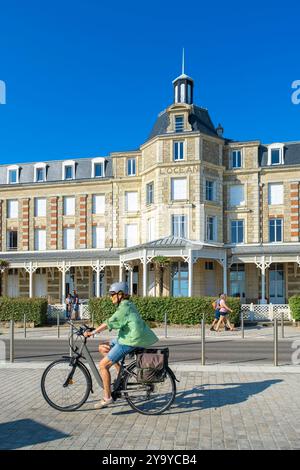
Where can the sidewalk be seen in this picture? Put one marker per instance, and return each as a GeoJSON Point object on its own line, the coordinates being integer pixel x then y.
{"type": "Point", "coordinates": [222, 408]}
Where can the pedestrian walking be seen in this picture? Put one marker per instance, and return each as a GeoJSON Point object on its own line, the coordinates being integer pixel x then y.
{"type": "Point", "coordinates": [224, 309]}
{"type": "Point", "coordinates": [76, 305]}
{"type": "Point", "coordinates": [216, 307]}
{"type": "Point", "coordinates": [69, 306]}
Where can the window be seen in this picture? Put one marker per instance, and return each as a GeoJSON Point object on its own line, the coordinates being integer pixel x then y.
{"type": "Point", "coordinates": [131, 167]}
{"type": "Point", "coordinates": [210, 190]}
{"type": "Point", "coordinates": [237, 280]}
{"type": "Point", "coordinates": [275, 193]}
{"type": "Point", "coordinates": [98, 203]}
{"type": "Point", "coordinates": [40, 207]}
{"type": "Point", "coordinates": [39, 239]}
{"type": "Point", "coordinates": [12, 174]}
{"type": "Point", "coordinates": [150, 193]}
{"type": "Point", "coordinates": [211, 228]}
{"type": "Point", "coordinates": [39, 172]}
{"type": "Point", "coordinates": [131, 235]}
{"type": "Point", "coordinates": [237, 195]}
{"type": "Point", "coordinates": [179, 123]}
{"type": "Point", "coordinates": [12, 209]}
{"type": "Point", "coordinates": [236, 159]}
{"type": "Point", "coordinates": [69, 238]}
{"type": "Point", "coordinates": [12, 240]}
{"type": "Point", "coordinates": [275, 230]}
{"type": "Point", "coordinates": [275, 154]}
{"type": "Point", "coordinates": [69, 205]}
{"type": "Point", "coordinates": [209, 265]}
{"type": "Point", "coordinates": [98, 167]}
{"type": "Point", "coordinates": [178, 189]}
{"type": "Point", "coordinates": [179, 226]}
{"type": "Point", "coordinates": [178, 150]}
{"type": "Point", "coordinates": [98, 237]}
{"type": "Point", "coordinates": [131, 201]}
{"type": "Point", "coordinates": [180, 279]}
{"type": "Point", "coordinates": [237, 231]}
{"type": "Point", "coordinates": [68, 170]}
{"type": "Point", "coordinates": [151, 229]}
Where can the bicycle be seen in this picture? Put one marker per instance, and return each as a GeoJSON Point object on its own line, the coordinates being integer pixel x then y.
{"type": "Point", "coordinates": [67, 382]}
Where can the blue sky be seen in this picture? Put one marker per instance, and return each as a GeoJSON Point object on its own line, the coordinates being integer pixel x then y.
{"type": "Point", "coordinates": [86, 78]}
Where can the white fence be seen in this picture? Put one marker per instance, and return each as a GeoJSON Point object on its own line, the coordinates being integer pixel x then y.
{"type": "Point", "coordinates": [265, 312]}
{"type": "Point", "coordinates": [60, 309]}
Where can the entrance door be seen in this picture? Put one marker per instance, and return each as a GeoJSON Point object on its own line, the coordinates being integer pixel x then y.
{"type": "Point", "coordinates": [276, 284]}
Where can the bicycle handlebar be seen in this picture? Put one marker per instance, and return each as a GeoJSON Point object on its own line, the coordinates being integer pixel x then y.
{"type": "Point", "coordinates": [81, 330]}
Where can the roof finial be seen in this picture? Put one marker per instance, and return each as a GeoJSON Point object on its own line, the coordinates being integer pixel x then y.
{"type": "Point", "coordinates": [182, 60]}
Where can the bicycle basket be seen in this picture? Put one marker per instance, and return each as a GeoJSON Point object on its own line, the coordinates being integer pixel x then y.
{"type": "Point", "coordinates": [151, 365]}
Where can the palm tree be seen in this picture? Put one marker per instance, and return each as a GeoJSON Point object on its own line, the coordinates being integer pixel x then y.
{"type": "Point", "coordinates": [160, 263]}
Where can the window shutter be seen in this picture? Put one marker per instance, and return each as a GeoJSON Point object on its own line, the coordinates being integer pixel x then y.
{"type": "Point", "coordinates": [275, 193]}
{"type": "Point", "coordinates": [131, 235]}
{"type": "Point", "coordinates": [132, 201]}
{"type": "Point", "coordinates": [179, 189]}
{"type": "Point", "coordinates": [69, 238]}
{"type": "Point", "coordinates": [69, 205]}
{"type": "Point", "coordinates": [98, 204]}
{"type": "Point", "coordinates": [13, 209]}
{"type": "Point", "coordinates": [40, 207]}
{"type": "Point", "coordinates": [98, 237]}
{"type": "Point", "coordinates": [40, 240]}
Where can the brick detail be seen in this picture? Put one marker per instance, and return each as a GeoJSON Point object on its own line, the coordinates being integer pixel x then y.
{"type": "Point", "coordinates": [82, 221]}
{"type": "Point", "coordinates": [294, 198]}
{"type": "Point", "coordinates": [25, 224]}
{"type": "Point", "coordinates": [53, 222]}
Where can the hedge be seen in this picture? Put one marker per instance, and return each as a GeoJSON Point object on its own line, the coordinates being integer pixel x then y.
{"type": "Point", "coordinates": [15, 308]}
{"type": "Point", "coordinates": [180, 310]}
{"type": "Point", "coordinates": [294, 303]}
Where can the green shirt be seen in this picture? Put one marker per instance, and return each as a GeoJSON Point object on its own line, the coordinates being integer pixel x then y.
{"type": "Point", "coordinates": [133, 331]}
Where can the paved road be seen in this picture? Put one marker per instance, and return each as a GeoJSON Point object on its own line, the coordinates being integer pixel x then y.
{"type": "Point", "coordinates": [219, 351]}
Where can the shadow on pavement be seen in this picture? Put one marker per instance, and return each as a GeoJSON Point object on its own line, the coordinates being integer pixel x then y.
{"type": "Point", "coordinates": [26, 432]}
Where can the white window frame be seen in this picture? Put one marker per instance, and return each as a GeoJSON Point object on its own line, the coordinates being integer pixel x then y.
{"type": "Point", "coordinates": [151, 229]}
{"type": "Point", "coordinates": [65, 205]}
{"type": "Point", "coordinates": [98, 160]}
{"type": "Point", "coordinates": [65, 239]}
{"type": "Point", "coordinates": [37, 240]}
{"type": "Point", "coordinates": [36, 199]}
{"type": "Point", "coordinates": [128, 207]}
{"type": "Point", "coordinates": [236, 231]}
{"type": "Point", "coordinates": [214, 228]}
{"type": "Point", "coordinates": [95, 239]}
{"type": "Point", "coordinates": [279, 147]}
{"type": "Point", "coordinates": [275, 229]}
{"type": "Point", "coordinates": [68, 163]}
{"type": "Point", "coordinates": [243, 202]}
{"type": "Point", "coordinates": [177, 116]}
{"type": "Point", "coordinates": [127, 166]}
{"type": "Point", "coordinates": [15, 168]}
{"type": "Point", "coordinates": [9, 202]}
{"type": "Point", "coordinates": [172, 189]}
{"type": "Point", "coordinates": [136, 232]}
{"type": "Point", "coordinates": [232, 151]}
{"type": "Point", "coordinates": [179, 142]}
{"type": "Point", "coordinates": [213, 190]}
{"type": "Point", "coordinates": [148, 202]}
{"type": "Point", "coordinates": [94, 205]}
{"type": "Point", "coordinates": [40, 166]}
{"type": "Point", "coordinates": [270, 185]}
{"type": "Point", "coordinates": [179, 221]}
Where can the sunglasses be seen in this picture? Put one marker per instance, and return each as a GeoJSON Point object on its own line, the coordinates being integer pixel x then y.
{"type": "Point", "coordinates": [112, 294]}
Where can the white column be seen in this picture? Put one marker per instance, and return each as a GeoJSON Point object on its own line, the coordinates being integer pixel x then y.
{"type": "Point", "coordinates": [30, 280]}
{"type": "Point", "coordinates": [121, 272]}
{"type": "Point", "coordinates": [63, 280]}
{"type": "Point", "coordinates": [225, 274]}
{"type": "Point", "coordinates": [130, 280]}
{"type": "Point", "coordinates": [190, 273]}
{"type": "Point", "coordinates": [145, 287]}
{"type": "Point", "coordinates": [263, 281]}
{"type": "Point", "coordinates": [98, 279]}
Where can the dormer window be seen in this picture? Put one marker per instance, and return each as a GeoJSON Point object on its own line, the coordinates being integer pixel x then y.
{"type": "Point", "coordinates": [179, 123]}
{"type": "Point", "coordinates": [39, 172]}
{"type": "Point", "coordinates": [276, 154]}
{"type": "Point", "coordinates": [68, 170]}
{"type": "Point", "coordinates": [236, 159]}
{"type": "Point", "coordinates": [98, 169]}
{"type": "Point", "coordinates": [13, 174]}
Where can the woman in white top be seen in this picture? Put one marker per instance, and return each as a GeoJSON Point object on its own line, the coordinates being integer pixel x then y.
{"type": "Point", "coordinates": [224, 309]}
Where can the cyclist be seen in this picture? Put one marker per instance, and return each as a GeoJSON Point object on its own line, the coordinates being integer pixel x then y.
{"type": "Point", "coordinates": [133, 333]}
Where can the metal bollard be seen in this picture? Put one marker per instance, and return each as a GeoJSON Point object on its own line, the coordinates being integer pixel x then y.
{"type": "Point", "coordinates": [242, 325]}
{"type": "Point", "coordinates": [12, 341]}
{"type": "Point", "coordinates": [282, 324]}
{"type": "Point", "coordinates": [275, 342]}
{"type": "Point", "coordinates": [58, 324]}
{"type": "Point", "coordinates": [25, 333]}
{"type": "Point", "coordinates": [203, 342]}
{"type": "Point", "coordinates": [71, 340]}
{"type": "Point", "coordinates": [166, 325]}
{"type": "Point", "coordinates": [93, 323]}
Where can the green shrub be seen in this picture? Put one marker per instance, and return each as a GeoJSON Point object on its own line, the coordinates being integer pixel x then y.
{"type": "Point", "coordinates": [15, 308]}
{"type": "Point", "coordinates": [294, 303]}
{"type": "Point", "coordinates": [179, 310]}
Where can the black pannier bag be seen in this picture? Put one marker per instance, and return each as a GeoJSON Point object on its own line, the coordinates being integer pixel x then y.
{"type": "Point", "coordinates": [151, 365]}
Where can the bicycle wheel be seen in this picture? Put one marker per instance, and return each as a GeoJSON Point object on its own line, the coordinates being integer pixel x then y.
{"type": "Point", "coordinates": [149, 399]}
{"type": "Point", "coordinates": [65, 387]}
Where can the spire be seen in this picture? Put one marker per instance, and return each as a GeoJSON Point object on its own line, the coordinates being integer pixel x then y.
{"type": "Point", "coordinates": [183, 86]}
{"type": "Point", "coordinates": [183, 61]}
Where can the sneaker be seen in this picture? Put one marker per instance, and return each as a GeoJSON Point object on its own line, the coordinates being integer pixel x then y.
{"type": "Point", "coordinates": [212, 329]}
{"type": "Point", "coordinates": [103, 404]}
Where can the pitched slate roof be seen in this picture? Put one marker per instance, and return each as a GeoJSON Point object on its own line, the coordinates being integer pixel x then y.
{"type": "Point", "coordinates": [198, 118]}
{"type": "Point", "coordinates": [291, 154]}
